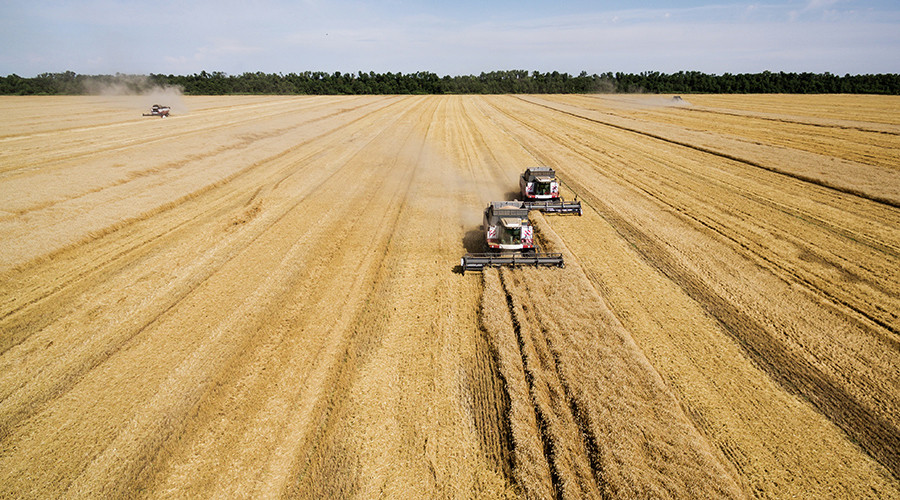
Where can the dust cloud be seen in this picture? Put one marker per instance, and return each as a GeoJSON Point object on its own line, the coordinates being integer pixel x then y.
{"type": "Point", "coordinates": [138, 92]}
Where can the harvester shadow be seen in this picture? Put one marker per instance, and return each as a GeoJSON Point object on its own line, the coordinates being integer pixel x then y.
{"type": "Point", "coordinates": [473, 241]}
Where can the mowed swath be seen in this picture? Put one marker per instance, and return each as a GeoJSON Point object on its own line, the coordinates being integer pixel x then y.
{"type": "Point", "coordinates": [257, 298]}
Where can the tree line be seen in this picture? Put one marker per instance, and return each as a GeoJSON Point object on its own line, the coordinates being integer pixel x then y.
{"type": "Point", "coordinates": [423, 82]}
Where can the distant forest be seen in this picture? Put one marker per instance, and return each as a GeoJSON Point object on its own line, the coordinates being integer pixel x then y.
{"type": "Point", "coordinates": [495, 82]}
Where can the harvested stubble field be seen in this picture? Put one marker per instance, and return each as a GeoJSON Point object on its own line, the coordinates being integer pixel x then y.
{"type": "Point", "coordinates": [256, 297]}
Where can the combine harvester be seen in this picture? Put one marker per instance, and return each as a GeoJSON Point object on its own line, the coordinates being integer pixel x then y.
{"type": "Point", "coordinates": [540, 190]}
{"type": "Point", "coordinates": [510, 237]}
{"type": "Point", "coordinates": [157, 110]}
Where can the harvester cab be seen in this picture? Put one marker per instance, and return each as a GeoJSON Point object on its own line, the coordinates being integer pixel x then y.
{"type": "Point", "coordinates": [540, 190]}
{"type": "Point", "coordinates": [539, 183]}
{"type": "Point", "coordinates": [509, 236]}
{"type": "Point", "coordinates": [507, 227]}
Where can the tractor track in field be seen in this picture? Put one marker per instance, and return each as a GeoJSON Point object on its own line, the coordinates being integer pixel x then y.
{"type": "Point", "coordinates": [555, 420]}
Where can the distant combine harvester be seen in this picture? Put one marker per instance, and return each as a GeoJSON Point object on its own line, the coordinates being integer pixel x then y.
{"type": "Point", "coordinates": [157, 110]}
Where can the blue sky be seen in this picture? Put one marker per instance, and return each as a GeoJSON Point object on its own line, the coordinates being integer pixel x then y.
{"type": "Point", "coordinates": [461, 37]}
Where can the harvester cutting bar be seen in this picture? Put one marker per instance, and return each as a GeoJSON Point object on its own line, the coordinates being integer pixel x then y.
{"type": "Point", "coordinates": [478, 261]}
{"type": "Point", "coordinates": [560, 206]}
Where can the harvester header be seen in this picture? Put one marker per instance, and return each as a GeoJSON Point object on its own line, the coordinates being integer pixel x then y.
{"type": "Point", "coordinates": [539, 183]}
{"type": "Point", "coordinates": [507, 226]}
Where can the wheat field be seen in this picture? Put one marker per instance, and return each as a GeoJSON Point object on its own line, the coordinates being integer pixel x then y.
{"type": "Point", "coordinates": [258, 297]}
